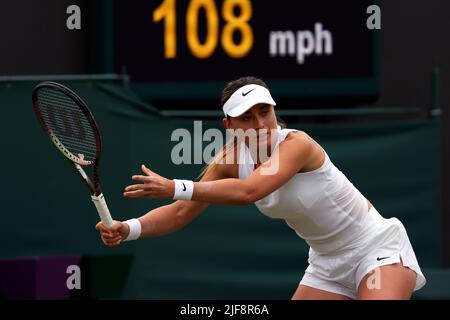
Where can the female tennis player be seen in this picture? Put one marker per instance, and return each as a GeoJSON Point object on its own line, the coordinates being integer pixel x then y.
{"type": "Point", "coordinates": [355, 253]}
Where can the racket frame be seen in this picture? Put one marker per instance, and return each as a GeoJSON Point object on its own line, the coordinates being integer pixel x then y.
{"type": "Point", "coordinates": [77, 162]}
{"type": "Point", "coordinates": [94, 185]}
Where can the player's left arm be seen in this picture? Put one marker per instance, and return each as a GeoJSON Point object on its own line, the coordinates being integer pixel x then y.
{"type": "Point", "coordinates": [288, 159]}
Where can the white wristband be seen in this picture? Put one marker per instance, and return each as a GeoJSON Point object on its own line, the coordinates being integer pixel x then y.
{"type": "Point", "coordinates": [183, 189]}
{"type": "Point", "coordinates": [135, 229]}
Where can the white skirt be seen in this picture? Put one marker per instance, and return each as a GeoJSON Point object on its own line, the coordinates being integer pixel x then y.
{"type": "Point", "coordinates": [381, 242]}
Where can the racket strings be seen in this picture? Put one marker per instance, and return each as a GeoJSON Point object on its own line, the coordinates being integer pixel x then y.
{"type": "Point", "coordinates": [68, 123]}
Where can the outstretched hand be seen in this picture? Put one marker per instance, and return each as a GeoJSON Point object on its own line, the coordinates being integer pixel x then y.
{"type": "Point", "coordinates": [152, 186]}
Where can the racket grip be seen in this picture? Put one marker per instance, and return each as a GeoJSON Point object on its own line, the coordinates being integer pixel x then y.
{"type": "Point", "coordinates": [102, 209]}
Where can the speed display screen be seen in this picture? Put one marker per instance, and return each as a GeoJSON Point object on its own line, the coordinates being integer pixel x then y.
{"type": "Point", "coordinates": [201, 41]}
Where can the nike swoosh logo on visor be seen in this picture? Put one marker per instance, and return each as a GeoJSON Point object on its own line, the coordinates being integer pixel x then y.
{"type": "Point", "coordinates": [246, 93]}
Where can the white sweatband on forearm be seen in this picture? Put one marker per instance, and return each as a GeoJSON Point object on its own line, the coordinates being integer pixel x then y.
{"type": "Point", "coordinates": [135, 229]}
{"type": "Point", "coordinates": [183, 189]}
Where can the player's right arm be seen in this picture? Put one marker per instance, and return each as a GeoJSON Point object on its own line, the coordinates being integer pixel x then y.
{"type": "Point", "coordinates": [169, 218]}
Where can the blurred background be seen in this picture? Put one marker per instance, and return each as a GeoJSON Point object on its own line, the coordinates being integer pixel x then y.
{"type": "Point", "coordinates": [368, 83]}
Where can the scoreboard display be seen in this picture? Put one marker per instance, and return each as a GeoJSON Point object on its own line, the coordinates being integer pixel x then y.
{"type": "Point", "coordinates": [303, 49]}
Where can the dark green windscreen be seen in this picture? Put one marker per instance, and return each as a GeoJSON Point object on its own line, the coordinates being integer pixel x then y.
{"type": "Point", "coordinates": [228, 252]}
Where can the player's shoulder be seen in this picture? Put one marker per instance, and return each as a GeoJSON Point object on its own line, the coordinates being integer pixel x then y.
{"type": "Point", "coordinates": [300, 144]}
{"type": "Point", "coordinates": [299, 141]}
{"type": "Point", "coordinates": [298, 135]}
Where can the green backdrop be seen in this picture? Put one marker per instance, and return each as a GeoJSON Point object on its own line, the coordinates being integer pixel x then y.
{"type": "Point", "coordinates": [228, 252]}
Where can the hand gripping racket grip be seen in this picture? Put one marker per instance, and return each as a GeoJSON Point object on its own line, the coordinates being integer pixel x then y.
{"type": "Point", "coordinates": [102, 209]}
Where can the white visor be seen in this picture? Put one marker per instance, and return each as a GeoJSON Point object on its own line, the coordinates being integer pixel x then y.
{"type": "Point", "coordinates": [246, 97]}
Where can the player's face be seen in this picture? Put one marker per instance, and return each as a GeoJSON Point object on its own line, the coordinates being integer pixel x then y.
{"type": "Point", "coordinates": [260, 119]}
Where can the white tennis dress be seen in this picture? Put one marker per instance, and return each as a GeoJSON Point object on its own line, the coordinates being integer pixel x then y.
{"type": "Point", "coordinates": [347, 241]}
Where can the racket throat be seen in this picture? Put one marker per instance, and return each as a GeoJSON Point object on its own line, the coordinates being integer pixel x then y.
{"type": "Point", "coordinates": [87, 180]}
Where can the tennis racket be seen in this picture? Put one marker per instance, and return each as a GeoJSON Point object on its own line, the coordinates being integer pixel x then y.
{"type": "Point", "coordinates": [71, 127]}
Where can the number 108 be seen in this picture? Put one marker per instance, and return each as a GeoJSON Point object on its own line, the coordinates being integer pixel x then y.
{"type": "Point", "coordinates": [234, 23]}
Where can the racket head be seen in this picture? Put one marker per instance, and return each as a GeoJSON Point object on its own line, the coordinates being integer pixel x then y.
{"type": "Point", "coordinates": [68, 122]}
